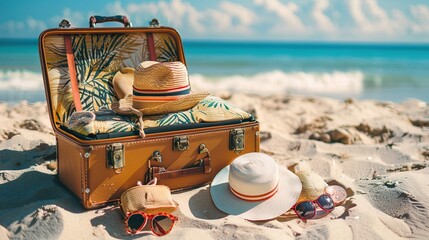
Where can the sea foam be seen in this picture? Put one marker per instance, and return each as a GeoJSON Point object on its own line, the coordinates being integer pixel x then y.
{"type": "Point", "coordinates": [273, 82]}
{"type": "Point", "coordinates": [279, 82]}
{"type": "Point", "coordinates": [21, 80]}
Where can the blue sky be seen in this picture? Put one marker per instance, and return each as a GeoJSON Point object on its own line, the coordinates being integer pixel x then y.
{"type": "Point", "coordinates": [260, 20]}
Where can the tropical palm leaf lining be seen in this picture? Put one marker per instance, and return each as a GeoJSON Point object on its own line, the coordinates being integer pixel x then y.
{"type": "Point", "coordinates": [185, 117]}
{"type": "Point", "coordinates": [214, 103]}
{"type": "Point", "coordinates": [98, 57]}
{"type": "Point", "coordinates": [94, 57]}
{"type": "Point", "coordinates": [168, 51]}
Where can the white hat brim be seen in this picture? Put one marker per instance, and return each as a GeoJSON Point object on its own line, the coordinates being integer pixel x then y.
{"type": "Point", "coordinates": [289, 190]}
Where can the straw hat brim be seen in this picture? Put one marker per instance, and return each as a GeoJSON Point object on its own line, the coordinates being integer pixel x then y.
{"type": "Point", "coordinates": [184, 103]}
{"type": "Point", "coordinates": [287, 195]}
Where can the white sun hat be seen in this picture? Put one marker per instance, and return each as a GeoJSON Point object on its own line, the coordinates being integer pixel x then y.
{"type": "Point", "coordinates": [255, 188]}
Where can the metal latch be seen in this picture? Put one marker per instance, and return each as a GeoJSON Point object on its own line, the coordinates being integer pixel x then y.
{"type": "Point", "coordinates": [115, 157]}
{"type": "Point", "coordinates": [156, 156]}
{"type": "Point", "coordinates": [180, 143]}
{"type": "Point", "coordinates": [236, 139]}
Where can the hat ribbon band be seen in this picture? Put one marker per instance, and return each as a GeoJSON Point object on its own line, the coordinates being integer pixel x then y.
{"type": "Point", "coordinates": [155, 99]}
{"type": "Point", "coordinates": [253, 198]}
{"type": "Point", "coordinates": [166, 92]}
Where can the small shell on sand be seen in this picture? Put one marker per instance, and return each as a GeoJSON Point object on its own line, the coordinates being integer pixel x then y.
{"type": "Point", "coordinates": [312, 185]}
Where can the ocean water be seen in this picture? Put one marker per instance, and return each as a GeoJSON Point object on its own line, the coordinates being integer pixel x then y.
{"type": "Point", "coordinates": [387, 72]}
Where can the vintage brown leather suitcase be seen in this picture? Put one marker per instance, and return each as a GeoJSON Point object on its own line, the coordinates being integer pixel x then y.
{"type": "Point", "coordinates": [98, 170]}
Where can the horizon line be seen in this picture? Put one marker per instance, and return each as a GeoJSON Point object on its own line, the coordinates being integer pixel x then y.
{"type": "Point", "coordinates": [262, 41]}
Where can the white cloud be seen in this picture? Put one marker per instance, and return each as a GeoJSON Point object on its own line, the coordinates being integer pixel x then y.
{"type": "Point", "coordinates": [195, 18]}
{"type": "Point", "coordinates": [182, 14]}
{"type": "Point", "coordinates": [179, 14]}
{"type": "Point", "coordinates": [287, 14]}
{"type": "Point", "coordinates": [370, 18]}
{"type": "Point", "coordinates": [140, 14]}
{"type": "Point", "coordinates": [322, 21]}
{"type": "Point", "coordinates": [171, 13]}
{"type": "Point", "coordinates": [12, 27]}
{"type": "Point", "coordinates": [359, 17]}
{"type": "Point", "coordinates": [76, 18]}
{"type": "Point", "coordinates": [34, 24]}
{"type": "Point", "coordinates": [400, 22]}
{"type": "Point", "coordinates": [116, 8]}
{"type": "Point", "coordinates": [19, 27]}
{"type": "Point", "coordinates": [222, 20]}
{"type": "Point", "coordinates": [421, 14]}
{"type": "Point", "coordinates": [381, 18]}
{"type": "Point", "coordinates": [245, 16]}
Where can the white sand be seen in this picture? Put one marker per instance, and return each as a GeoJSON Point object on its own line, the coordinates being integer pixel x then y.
{"type": "Point", "coordinates": [378, 151]}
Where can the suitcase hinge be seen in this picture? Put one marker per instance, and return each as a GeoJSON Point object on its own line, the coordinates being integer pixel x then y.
{"type": "Point", "coordinates": [115, 157]}
{"type": "Point", "coordinates": [154, 23]}
{"type": "Point", "coordinates": [180, 143]}
{"type": "Point", "coordinates": [64, 24]}
{"type": "Point", "coordinates": [236, 139]}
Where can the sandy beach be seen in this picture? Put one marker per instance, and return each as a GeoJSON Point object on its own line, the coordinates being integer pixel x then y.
{"type": "Point", "coordinates": [378, 151]}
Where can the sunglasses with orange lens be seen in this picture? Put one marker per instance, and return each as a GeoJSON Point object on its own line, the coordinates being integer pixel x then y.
{"type": "Point", "coordinates": [160, 223]}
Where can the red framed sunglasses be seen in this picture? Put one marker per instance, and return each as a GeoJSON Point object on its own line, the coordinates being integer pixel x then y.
{"type": "Point", "coordinates": [307, 209]}
{"type": "Point", "coordinates": [160, 223]}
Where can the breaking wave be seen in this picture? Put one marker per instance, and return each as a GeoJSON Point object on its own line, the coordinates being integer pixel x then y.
{"type": "Point", "coordinates": [279, 82]}
{"type": "Point", "coordinates": [21, 80]}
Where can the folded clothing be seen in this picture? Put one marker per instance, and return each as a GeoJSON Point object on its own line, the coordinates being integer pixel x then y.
{"type": "Point", "coordinates": [209, 110]}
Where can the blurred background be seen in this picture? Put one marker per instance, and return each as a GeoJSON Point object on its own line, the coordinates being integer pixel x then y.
{"type": "Point", "coordinates": [365, 49]}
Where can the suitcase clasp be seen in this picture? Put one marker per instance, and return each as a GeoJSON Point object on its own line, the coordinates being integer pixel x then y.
{"type": "Point", "coordinates": [180, 143]}
{"type": "Point", "coordinates": [115, 157]}
{"type": "Point", "coordinates": [156, 156]}
{"type": "Point", "coordinates": [236, 139]}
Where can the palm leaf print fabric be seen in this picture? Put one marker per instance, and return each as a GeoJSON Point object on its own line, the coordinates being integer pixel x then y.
{"type": "Point", "coordinates": [98, 57]}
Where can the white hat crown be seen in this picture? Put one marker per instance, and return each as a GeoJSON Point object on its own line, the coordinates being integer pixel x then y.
{"type": "Point", "coordinates": [254, 178]}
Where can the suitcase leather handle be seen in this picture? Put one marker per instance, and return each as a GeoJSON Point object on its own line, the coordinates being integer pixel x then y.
{"type": "Point", "coordinates": [161, 173]}
{"type": "Point", "coordinates": [100, 19]}
{"type": "Point", "coordinates": [202, 166]}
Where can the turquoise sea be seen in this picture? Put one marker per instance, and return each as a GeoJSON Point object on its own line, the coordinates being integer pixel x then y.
{"type": "Point", "coordinates": [388, 72]}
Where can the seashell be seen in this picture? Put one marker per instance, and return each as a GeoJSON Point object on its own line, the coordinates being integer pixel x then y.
{"type": "Point", "coordinates": [312, 185]}
{"type": "Point", "coordinates": [390, 183]}
{"type": "Point", "coordinates": [324, 137]}
{"type": "Point", "coordinates": [315, 136]}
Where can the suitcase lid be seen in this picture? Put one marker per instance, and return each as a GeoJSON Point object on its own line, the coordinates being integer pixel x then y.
{"type": "Point", "coordinates": [98, 54]}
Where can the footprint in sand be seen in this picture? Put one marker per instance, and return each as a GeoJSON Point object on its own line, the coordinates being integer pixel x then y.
{"type": "Point", "coordinates": [407, 200]}
{"type": "Point", "coordinates": [31, 124]}
{"type": "Point", "coordinates": [44, 223]}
